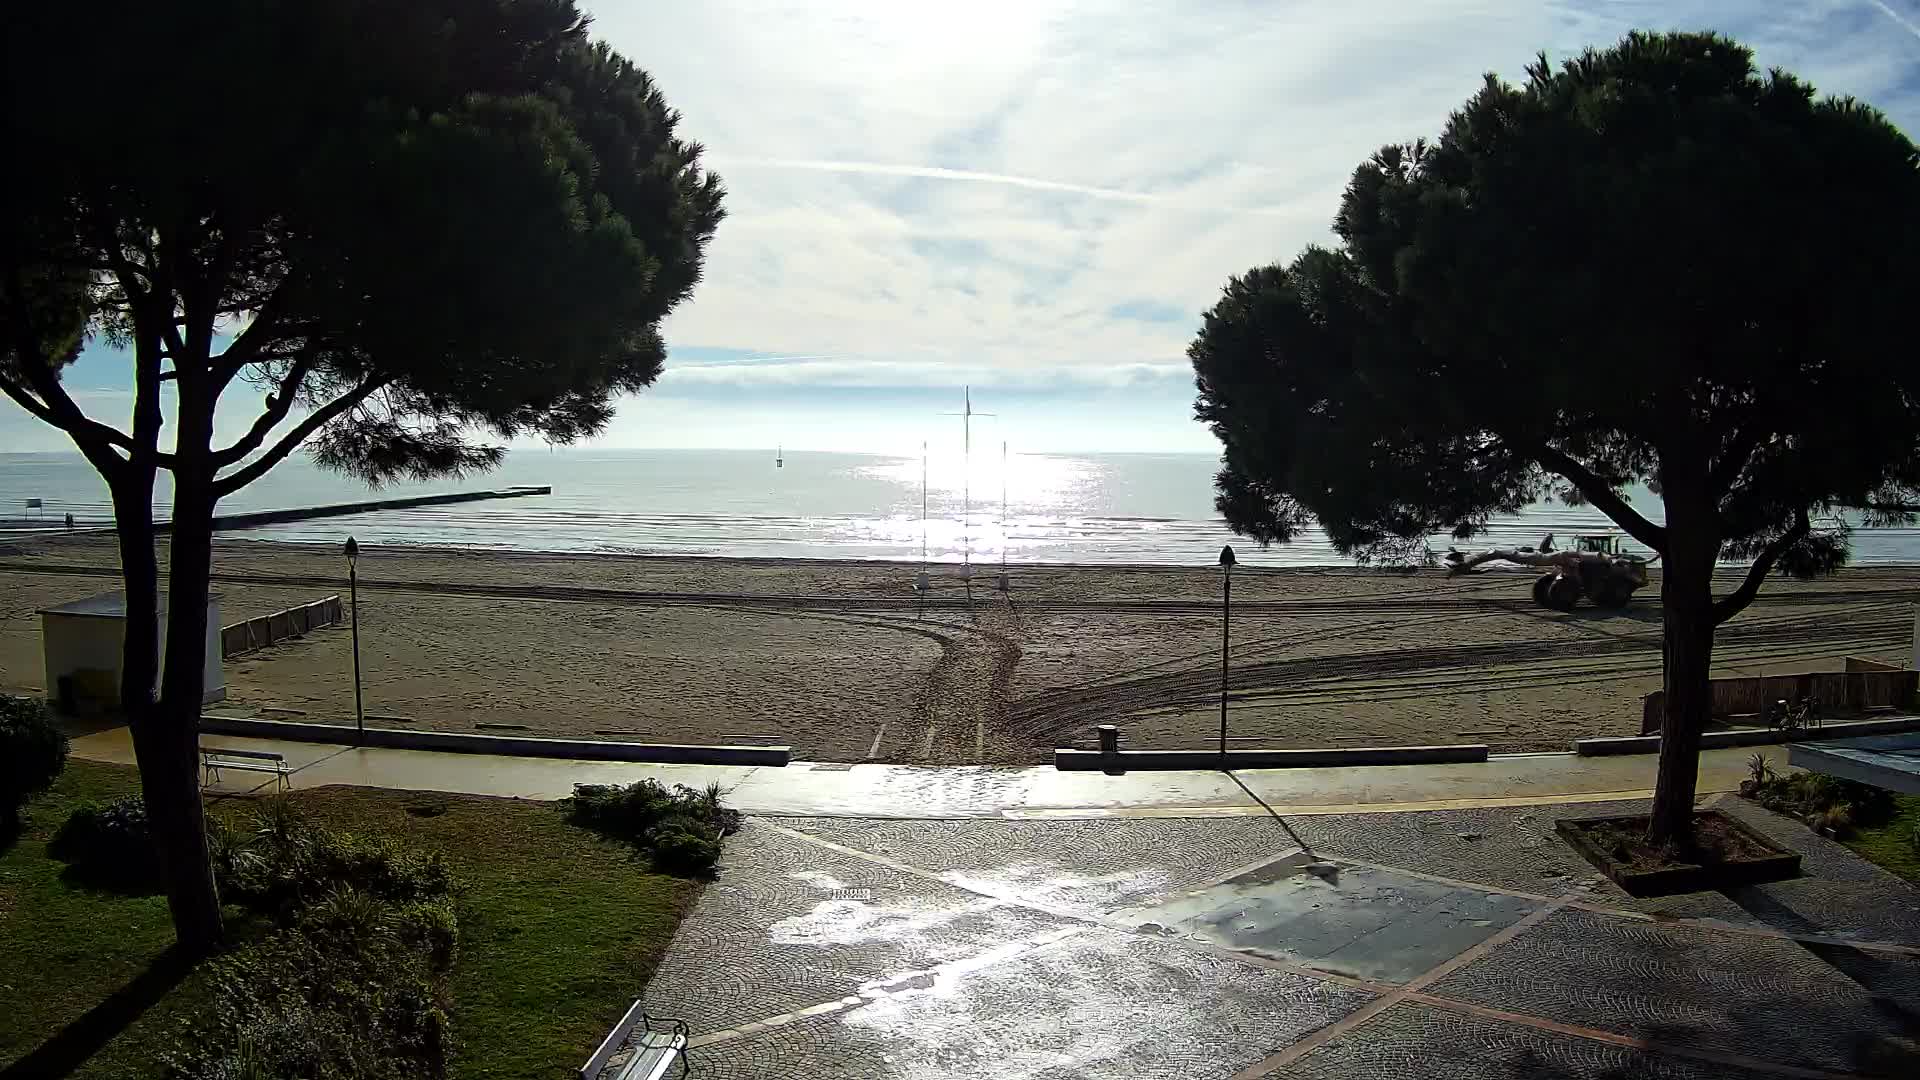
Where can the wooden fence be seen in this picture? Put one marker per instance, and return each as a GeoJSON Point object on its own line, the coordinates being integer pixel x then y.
{"type": "Point", "coordinates": [260, 632]}
{"type": "Point", "coordinates": [1866, 684]}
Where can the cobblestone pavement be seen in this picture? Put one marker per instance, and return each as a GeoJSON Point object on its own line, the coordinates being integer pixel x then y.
{"type": "Point", "coordinates": [1444, 944]}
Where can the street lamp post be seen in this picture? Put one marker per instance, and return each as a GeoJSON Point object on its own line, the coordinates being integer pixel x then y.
{"type": "Point", "coordinates": [1226, 606]}
{"type": "Point", "coordinates": [353, 593]}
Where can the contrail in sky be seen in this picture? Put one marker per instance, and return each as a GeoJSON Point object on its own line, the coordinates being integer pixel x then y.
{"type": "Point", "coordinates": [924, 172]}
{"type": "Point", "coordinates": [1890, 13]}
{"type": "Point", "coordinates": [1031, 183]}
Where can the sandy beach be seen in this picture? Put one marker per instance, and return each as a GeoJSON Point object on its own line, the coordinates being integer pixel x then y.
{"type": "Point", "coordinates": [841, 661]}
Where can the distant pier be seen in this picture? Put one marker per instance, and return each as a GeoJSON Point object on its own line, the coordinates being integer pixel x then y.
{"type": "Point", "coordinates": [307, 513]}
{"type": "Point", "coordinates": [22, 528]}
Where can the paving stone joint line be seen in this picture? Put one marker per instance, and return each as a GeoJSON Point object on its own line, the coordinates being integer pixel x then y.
{"type": "Point", "coordinates": [1630, 1042]}
{"type": "Point", "coordinates": [1388, 995]}
{"type": "Point", "coordinates": [1361, 1016]}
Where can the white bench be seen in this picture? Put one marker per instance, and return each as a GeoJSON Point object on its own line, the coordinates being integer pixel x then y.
{"type": "Point", "coordinates": [214, 759]}
{"type": "Point", "coordinates": [657, 1042]}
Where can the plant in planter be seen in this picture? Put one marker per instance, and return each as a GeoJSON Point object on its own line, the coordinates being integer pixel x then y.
{"type": "Point", "coordinates": [1721, 852]}
{"type": "Point", "coordinates": [1829, 805]}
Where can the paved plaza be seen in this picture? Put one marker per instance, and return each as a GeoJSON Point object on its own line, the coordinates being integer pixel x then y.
{"type": "Point", "coordinates": [1458, 943]}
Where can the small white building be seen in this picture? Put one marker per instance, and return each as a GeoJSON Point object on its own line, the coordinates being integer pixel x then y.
{"type": "Point", "coordinates": [83, 642]}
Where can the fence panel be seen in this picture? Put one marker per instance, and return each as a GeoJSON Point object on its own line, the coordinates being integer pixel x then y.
{"type": "Point", "coordinates": [264, 630]}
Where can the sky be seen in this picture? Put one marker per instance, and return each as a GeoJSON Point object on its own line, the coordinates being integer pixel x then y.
{"type": "Point", "coordinates": [1037, 199]}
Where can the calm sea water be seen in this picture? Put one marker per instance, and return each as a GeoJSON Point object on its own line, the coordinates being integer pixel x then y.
{"type": "Point", "coordinates": [1093, 508]}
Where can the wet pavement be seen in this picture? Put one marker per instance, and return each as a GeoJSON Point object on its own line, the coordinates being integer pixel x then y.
{"type": "Point", "coordinates": [1437, 944]}
{"type": "Point", "coordinates": [833, 789]}
{"type": "Point", "coordinates": [1348, 920]}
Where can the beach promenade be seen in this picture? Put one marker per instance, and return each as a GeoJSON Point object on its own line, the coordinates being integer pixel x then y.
{"type": "Point", "coordinates": [837, 789]}
{"type": "Point", "coordinates": [911, 923]}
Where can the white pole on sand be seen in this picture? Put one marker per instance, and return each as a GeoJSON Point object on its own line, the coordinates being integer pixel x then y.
{"type": "Point", "coordinates": [966, 415]}
{"type": "Point", "coordinates": [920, 583]}
{"type": "Point", "coordinates": [1003, 515]}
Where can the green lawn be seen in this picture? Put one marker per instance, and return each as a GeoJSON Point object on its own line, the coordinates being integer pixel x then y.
{"type": "Point", "coordinates": [1891, 845]}
{"type": "Point", "coordinates": [558, 931]}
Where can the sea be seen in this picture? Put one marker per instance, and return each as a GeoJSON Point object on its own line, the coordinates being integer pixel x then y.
{"type": "Point", "coordinates": [1028, 508]}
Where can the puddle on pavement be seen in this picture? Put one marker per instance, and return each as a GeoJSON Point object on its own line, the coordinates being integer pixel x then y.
{"type": "Point", "coordinates": [862, 922]}
{"type": "Point", "coordinates": [846, 916]}
{"type": "Point", "coordinates": [1359, 922]}
{"type": "Point", "coordinates": [1052, 885]}
{"type": "Point", "coordinates": [1051, 1016]}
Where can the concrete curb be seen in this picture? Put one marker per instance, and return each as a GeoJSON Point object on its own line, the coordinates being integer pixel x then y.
{"type": "Point", "coordinates": [511, 745]}
{"type": "Point", "coordinates": [1718, 740]}
{"type": "Point", "coordinates": [1083, 760]}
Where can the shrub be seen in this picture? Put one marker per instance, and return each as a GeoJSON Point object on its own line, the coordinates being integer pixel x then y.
{"type": "Point", "coordinates": [678, 849]}
{"type": "Point", "coordinates": [33, 752]}
{"type": "Point", "coordinates": [680, 830]}
{"type": "Point", "coordinates": [289, 863]}
{"type": "Point", "coordinates": [296, 1006]}
{"type": "Point", "coordinates": [352, 984]}
{"type": "Point", "coordinates": [1829, 804]}
{"type": "Point", "coordinates": [379, 867]}
{"type": "Point", "coordinates": [626, 812]}
{"type": "Point", "coordinates": [430, 926]}
{"type": "Point", "coordinates": [109, 845]}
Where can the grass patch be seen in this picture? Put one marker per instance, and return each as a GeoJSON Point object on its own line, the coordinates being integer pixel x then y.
{"type": "Point", "coordinates": [69, 947]}
{"type": "Point", "coordinates": [1891, 846]}
{"type": "Point", "coordinates": [559, 929]}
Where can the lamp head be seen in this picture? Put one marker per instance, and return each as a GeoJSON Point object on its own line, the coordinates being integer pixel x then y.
{"type": "Point", "coordinates": [1226, 556]}
{"type": "Point", "coordinates": [353, 549]}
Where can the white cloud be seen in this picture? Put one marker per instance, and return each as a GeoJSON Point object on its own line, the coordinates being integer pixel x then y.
{"type": "Point", "coordinates": [804, 371]}
{"type": "Point", "coordinates": [980, 186]}
{"type": "Point", "coordinates": [1012, 190]}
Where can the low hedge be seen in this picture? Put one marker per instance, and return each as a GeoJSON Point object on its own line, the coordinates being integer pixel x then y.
{"type": "Point", "coordinates": [33, 752]}
{"type": "Point", "coordinates": [109, 845]}
{"type": "Point", "coordinates": [679, 829]}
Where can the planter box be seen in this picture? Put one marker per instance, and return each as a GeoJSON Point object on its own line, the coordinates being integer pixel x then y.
{"type": "Point", "coordinates": [1776, 865]}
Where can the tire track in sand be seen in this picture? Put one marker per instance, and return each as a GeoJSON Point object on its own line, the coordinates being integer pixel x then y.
{"type": "Point", "coordinates": [968, 696]}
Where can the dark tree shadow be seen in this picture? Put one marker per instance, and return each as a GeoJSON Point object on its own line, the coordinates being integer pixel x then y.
{"type": "Point", "coordinates": [120, 880]}
{"type": "Point", "coordinates": [1880, 975]}
{"type": "Point", "coordinates": [72, 1046]}
{"type": "Point", "coordinates": [1875, 972]}
{"type": "Point", "coordinates": [1636, 612]}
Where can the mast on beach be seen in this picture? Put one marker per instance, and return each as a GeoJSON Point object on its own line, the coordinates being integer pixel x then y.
{"type": "Point", "coordinates": [966, 416]}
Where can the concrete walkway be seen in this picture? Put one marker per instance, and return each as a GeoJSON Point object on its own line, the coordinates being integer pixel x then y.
{"type": "Point", "coordinates": [877, 922]}
{"type": "Point", "coordinates": [905, 791]}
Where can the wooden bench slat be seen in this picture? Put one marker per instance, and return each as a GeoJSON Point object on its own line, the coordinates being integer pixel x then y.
{"type": "Point", "coordinates": [216, 759]}
{"type": "Point", "coordinates": [222, 751]}
{"type": "Point", "coordinates": [654, 1050]}
{"type": "Point", "coordinates": [651, 1059]}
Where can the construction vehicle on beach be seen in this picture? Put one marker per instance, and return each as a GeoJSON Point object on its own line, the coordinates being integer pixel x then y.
{"type": "Point", "coordinates": [1598, 567]}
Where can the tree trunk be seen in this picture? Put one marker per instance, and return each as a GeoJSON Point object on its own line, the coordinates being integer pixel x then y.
{"type": "Point", "coordinates": [1686, 605]}
{"type": "Point", "coordinates": [165, 750]}
{"type": "Point", "coordinates": [178, 818]}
